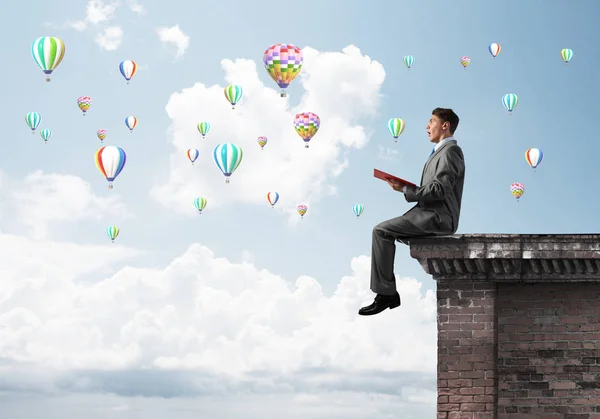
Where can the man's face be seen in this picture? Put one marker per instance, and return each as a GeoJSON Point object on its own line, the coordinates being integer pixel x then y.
{"type": "Point", "coordinates": [436, 128]}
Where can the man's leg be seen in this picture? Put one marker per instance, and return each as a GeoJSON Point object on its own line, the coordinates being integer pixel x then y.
{"type": "Point", "coordinates": [383, 252]}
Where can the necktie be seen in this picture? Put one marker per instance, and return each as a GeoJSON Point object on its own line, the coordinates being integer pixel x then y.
{"type": "Point", "coordinates": [432, 151]}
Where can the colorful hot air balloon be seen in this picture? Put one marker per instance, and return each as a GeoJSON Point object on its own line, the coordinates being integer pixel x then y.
{"type": "Point", "coordinates": [307, 124]}
{"type": "Point", "coordinates": [203, 128]}
{"type": "Point", "coordinates": [227, 158]}
{"type": "Point", "coordinates": [48, 52]}
{"type": "Point", "coordinates": [200, 204]}
{"type": "Point", "coordinates": [110, 161]}
{"type": "Point", "coordinates": [192, 154]}
{"type": "Point", "coordinates": [510, 101]}
{"type": "Point", "coordinates": [113, 232]}
{"type": "Point", "coordinates": [566, 55]}
{"type": "Point", "coordinates": [128, 69]}
{"type": "Point", "coordinates": [358, 209]}
{"type": "Point", "coordinates": [494, 49]}
{"type": "Point", "coordinates": [302, 210]}
{"type": "Point", "coordinates": [283, 62]}
{"type": "Point", "coordinates": [396, 127]}
{"type": "Point", "coordinates": [101, 134]}
{"type": "Point", "coordinates": [465, 61]}
{"type": "Point", "coordinates": [262, 141]}
{"type": "Point", "coordinates": [517, 189]}
{"type": "Point", "coordinates": [33, 119]}
{"type": "Point", "coordinates": [84, 103]}
{"type": "Point", "coordinates": [233, 93]}
{"type": "Point", "coordinates": [46, 134]}
{"type": "Point", "coordinates": [272, 197]}
{"type": "Point", "coordinates": [534, 156]}
{"type": "Point", "coordinates": [408, 61]}
{"type": "Point", "coordinates": [131, 123]}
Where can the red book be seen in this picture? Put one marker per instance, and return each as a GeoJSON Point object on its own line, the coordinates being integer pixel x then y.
{"type": "Point", "coordinates": [386, 176]}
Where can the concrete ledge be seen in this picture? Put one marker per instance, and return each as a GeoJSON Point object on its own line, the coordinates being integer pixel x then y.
{"type": "Point", "coordinates": [510, 257]}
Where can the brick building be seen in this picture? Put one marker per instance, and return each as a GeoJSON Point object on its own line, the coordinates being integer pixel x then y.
{"type": "Point", "coordinates": [518, 324]}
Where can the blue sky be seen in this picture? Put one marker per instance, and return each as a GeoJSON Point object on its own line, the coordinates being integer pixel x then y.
{"type": "Point", "coordinates": [555, 113]}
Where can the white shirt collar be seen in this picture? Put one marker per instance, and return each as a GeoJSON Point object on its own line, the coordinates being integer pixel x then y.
{"type": "Point", "coordinates": [438, 145]}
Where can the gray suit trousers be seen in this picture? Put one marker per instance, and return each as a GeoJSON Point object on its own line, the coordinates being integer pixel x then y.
{"type": "Point", "coordinates": [383, 252]}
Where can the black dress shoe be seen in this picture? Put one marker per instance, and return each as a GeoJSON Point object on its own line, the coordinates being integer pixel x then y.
{"type": "Point", "coordinates": [381, 303]}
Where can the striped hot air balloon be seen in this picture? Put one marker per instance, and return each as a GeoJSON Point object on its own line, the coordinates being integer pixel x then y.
{"type": "Point", "coordinates": [517, 189]}
{"type": "Point", "coordinates": [227, 158]}
{"type": "Point", "coordinates": [128, 69]}
{"type": "Point", "coordinates": [113, 232]}
{"type": "Point", "coordinates": [203, 128]}
{"type": "Point", "coordinates": [131, 122]}
{"type": "Point", "coordinates": [262, 142]}
{"type": "Point", "coordinates": [200, 204]}
{"type": "Point", "coordinates": [46, 134]}
{"type": "Point", "coordinates": [566, 54]}
{"type": "Point", "coordinates": [283, 62]}
{"type": "Point", "coordinates": [494, 49]}
{"type": "Point", "coordinates": [396, 127]}
{"type": "Point", "coordinates": [534, 157]}
{"type": "Point", "coordinates": [33, 119]}
{"type": "Point", "coordinates": [465, 61]}
{"type": "Point", "coordinates": [272, 197]}
{"type": "Point", "coordinates": [48, 53]}
{"type": "Point", "coordinates": [510, 101]}
{"type": "Point", "coordinates": [302, 210]}
{"type": "Point", "coordinates": [358, 209]}
{"type": "Point", "coordinates": [233, 93]}
{"type": "Point", "coordinates": [307, 124]}
{"type": "Point", "coordinates": [110, 161]}
{"type": "Point", "coordinates": [101, 133]}
{"type": "Point", "coordinates": [84, 103]}
{"type": "Point", "coordinates": [192, 154]}
{"type": "Point", "coordinates": [409, 61]}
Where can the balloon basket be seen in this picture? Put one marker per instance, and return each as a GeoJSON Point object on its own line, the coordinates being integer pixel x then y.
{"type": "Point", "coordinates": [48, 79]}
{"type": "Point", "coordinates": [305, 145]}
{"type": "Point", "coordinates": [233, 107]}
{"type": "Point", "coordinates": [283, 94]}
{"type": "Point", "coordinates": [110, 186]}
{"type": "Point", "coordinates": [227, 180]}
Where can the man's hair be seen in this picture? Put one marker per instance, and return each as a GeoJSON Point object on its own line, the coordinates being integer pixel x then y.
{"type": "Point", "coordinates": [447, 115]}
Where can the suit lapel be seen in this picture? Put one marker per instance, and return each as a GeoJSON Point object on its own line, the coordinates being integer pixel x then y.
{"type": "Point", "coordinates": [440, 148]}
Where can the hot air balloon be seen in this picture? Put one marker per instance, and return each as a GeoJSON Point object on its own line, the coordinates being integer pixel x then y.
{"type": "Point", "coordinates": [233, 93]}
{"type": "Point", "coordinates": [101, 134]}
{"type": "Point", "coordinates": [84, 103]}
{"type": "Point", "coordinates": [272, 197]}
{"type": "Point", "coordinates": [131, 123]}
{"type": "Point", "coordinates": [48, 52]}
{"type": "Point", "coordinates": [494, 49]}
{"type": "Point", "coordinates": [192, 154]}
{"type": "Point", "coordinates": [227, 158]}
{"type": "Point", "coordinates": [200, 204]}
{"type": "Point", "coordinates": [396, 127]}
{"type": "Point", "coordinates": [302, 210]}
{"type": "Point", "coordinates": [113, 232]}
{"type": "Point", "coordinates": [203, 128]}
{"type": "Point", "coordinates": [358, 209]}
{"type": "Point", "coordinates": [128, 69]}
{"type": "Point", "coordinates": [46, 134]}
{"type": "Point", "coordinates": [307, 124]}
{"type": "Point", "coordinates": [110, 161]}
{"type": "Point", "coordinates": [534, 157]}
{"type": "Point", "coordinates": [517, 189]}
{"type": "Point", "coordinates": [408, 61]}
{"type": "Point", "coordinates": [510, 101]}
{"type": "Point", "coordinates": [566, 55]}
{"type": "Point", "coordinates": [283, 62]}
{"type": "Point", "coordinates": [33, 119]}
{"type": "Point", "coordinates": [262, 141]}
{"type": "Point", "coordinates": [465, 61]}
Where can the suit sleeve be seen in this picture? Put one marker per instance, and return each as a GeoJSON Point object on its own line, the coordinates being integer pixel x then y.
{"type": "Point", "coordinates": [449, 169]}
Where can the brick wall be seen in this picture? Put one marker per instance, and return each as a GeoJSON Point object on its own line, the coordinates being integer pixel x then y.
{"type": "Point", "coordinates": [549, 351]}
{"type": "Point", "coordinates": [467, 345]}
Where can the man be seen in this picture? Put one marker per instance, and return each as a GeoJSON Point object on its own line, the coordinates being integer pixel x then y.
{"type": "Point", "coordinates": [436, 213]}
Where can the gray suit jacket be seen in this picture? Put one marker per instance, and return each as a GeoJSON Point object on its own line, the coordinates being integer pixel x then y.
{"type": "Point", "coordinates": [439, 197]}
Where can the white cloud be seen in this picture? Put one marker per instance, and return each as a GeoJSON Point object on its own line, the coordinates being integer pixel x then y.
{"type": "Point", "coordinates": [202, 325]}
{"type": "Point", "coordinates": [385, 153]}
{"type": "Point", "coordinates": [175, 36]}
{"type": "Point", "coordinates": [137, 8]}
{"type": "Point", "coordinates": [340, 87]}
{"type": "Point", "coordinates": [110, 38]}
{"type": "Point", "coordinates": [96, 12]}
{"type": "Point", "coordinates": [43, 200]}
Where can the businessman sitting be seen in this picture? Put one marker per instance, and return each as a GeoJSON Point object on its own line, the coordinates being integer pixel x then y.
{"type": "Point", "coordinates": [436, 213]}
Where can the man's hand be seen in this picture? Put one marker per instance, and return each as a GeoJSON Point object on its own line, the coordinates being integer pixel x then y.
{"type": "Point", "coordinates": [397, 186]}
